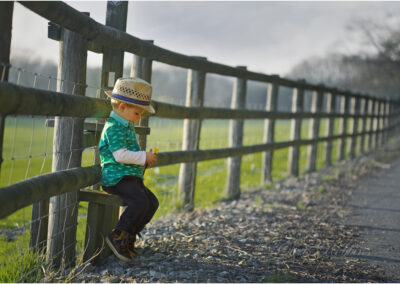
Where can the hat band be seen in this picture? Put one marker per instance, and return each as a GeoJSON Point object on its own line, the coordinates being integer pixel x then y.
{"type": "Point", "coordinates": [125, 99]}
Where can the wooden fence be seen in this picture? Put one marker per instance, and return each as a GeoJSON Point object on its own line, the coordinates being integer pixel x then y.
{"type": "Point", "coordinates": [56, 194]}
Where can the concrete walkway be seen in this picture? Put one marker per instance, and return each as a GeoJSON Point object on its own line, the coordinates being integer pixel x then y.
{"type": "Point", "coordinates": [376, 204]}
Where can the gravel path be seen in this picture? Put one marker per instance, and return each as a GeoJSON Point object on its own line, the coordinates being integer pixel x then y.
{"type": "Point", "coordinates": [296, 231]}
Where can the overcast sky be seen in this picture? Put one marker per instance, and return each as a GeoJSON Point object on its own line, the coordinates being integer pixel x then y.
{"type": "Point", "coordinates": [268, 37]}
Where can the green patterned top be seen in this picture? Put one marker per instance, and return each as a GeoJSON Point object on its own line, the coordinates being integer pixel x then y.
{"type": "Point", "coordinates": [117, 133]}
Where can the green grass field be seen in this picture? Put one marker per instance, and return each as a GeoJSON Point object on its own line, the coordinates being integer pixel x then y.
{"type": "Point", "coordinates": [27, 153]}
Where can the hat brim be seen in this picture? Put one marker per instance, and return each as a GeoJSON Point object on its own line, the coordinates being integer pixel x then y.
{"type": "Point", "coordinates": [149, 108]}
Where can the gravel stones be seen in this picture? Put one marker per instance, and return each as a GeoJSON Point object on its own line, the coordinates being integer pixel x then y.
{"type": "Point", "coordinates": [290, 234]}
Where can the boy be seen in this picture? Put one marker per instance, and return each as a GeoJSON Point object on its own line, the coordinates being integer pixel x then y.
{"type": "Point", "coordinates": [122, 163]}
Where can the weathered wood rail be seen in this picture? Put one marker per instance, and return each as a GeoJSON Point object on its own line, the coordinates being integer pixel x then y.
{"type": "Point", "coordinates": [378, 118]}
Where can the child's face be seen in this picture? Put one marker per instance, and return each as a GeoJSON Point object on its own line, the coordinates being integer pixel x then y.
{"type": "Point", "coordinates": [130, 112]}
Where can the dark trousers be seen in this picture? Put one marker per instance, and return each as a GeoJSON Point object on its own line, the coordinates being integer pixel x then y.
{"type": "Point", "coordinates": [141, 204]}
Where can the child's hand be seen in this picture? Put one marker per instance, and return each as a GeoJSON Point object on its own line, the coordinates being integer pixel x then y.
{"type": "Point", "coordinates": [150, 158]}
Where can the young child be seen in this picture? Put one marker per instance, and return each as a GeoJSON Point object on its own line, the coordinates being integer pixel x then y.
{"type": "Point", "coordinates": [122, 163]}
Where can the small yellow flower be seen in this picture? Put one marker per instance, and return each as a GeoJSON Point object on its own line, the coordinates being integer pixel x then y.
{"type": "Point", "coordinates": [155, 150]}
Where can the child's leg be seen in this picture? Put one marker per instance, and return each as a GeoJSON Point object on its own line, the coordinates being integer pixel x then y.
{"type": "Point", "coordinates": [130, 190]}
{"type": "Point", "coordinates": [151, 209]}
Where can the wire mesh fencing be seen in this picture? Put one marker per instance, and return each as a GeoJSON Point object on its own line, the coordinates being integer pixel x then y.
{"type": "Point", "coordinates": [28, 152]}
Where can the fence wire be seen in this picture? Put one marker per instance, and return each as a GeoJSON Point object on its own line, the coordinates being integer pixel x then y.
{"type": "Point", "coordinates": [28, 152]}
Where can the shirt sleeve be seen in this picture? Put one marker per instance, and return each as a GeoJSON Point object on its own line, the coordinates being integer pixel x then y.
{"type": "Point", "coordinates": [125, 156]}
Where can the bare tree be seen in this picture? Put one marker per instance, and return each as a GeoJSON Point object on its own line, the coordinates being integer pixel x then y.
{"type": "Point", "coordinates": [374, 68]}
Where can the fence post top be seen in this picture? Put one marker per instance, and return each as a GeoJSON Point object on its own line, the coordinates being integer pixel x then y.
{"type": "Point", "coordinates": [275, 78]}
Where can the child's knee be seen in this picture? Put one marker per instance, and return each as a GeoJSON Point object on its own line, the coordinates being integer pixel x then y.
{"type": "Point", "coordinates": [154, 204]}
{"type": "Point", "coordinates": [153, 199]}
{"type": "Point", "coordinates": [138, 204]}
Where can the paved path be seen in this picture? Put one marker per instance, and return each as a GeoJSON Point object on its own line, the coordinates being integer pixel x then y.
{"type": "Point", "coordinates": [376, 204]}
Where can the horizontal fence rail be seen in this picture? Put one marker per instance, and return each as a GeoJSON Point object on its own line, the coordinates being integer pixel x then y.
{"type": "Point", "coordinates": [42, 187]}
{"type": "Point", "coordinates": [29, 101]}
{"type": "Point", "coordinates": [176, 157]}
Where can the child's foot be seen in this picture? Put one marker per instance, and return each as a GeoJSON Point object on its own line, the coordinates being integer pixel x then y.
{"type": "Point", "coordinates": [131, 246]}
{"type": "Point", "coordinates": [118, 243]}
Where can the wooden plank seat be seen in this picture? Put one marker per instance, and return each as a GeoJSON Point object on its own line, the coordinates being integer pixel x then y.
{"type": "Point", "coordinates": [100, 197]}
{"type": "Point", "coordinates": [102, 215]}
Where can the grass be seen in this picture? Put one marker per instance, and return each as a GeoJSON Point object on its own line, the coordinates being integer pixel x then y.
{"type": "Point", "coordinates": [27, 153]}
{"type": "Point", "coordinates": [20, 268]}
{"type": "Point", "coordinates": [18, 263]}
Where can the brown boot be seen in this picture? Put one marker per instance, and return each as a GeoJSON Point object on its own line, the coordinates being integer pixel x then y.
{"type": "Point", "coordinates": [131, 245]}
{"type": "Point", "coordinates": [118, 243]}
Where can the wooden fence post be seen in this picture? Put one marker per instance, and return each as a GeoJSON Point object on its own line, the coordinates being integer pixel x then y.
{"type": "Point", "coordinates": [392, 110]}
{"type": "Point", "coordinates": [380, 119]}
{"type": "Point", "coordinates": [295, 130]}
{"type": "Point", "coordinates": [316, 107]}
{"type": "Point", "coordinates": [40, 212]}
{"type": "Point", "coordinates": [396, 119]}
{"type": "Point", "coordinates": [191, 137]}
{"type": "Point", "coordinates": [113, 59]}
{"type": "Point", "coordinates": [355, 109]}
{"type": "Point", "coordinates": [389, 122]}
{"type": "Point", "coordinates": [236, 138]}
{"type": "Point", "coordinates": [344, 107]}
{"type": "Point", "coordinates": [389, 113]}
{"type": "Point", "coordinates": [371, 112]}
{"type": "Point", "coordinates": [269, 133]}
{"type": "Point", "coordinates": [364, 111]}
{"type": "Point", "coordinates": [6, 15]}
{"type": "Point", "coordinates": [67, 151]}
{"type": "Point", "coordinates": [386, 121]}
{"type": "Point", "coordinates": [330, 108]}
{"type": "Point", "coordinates": [142, 68]}
{"type": "Point", "coordinates": [377, 122]}
{"type": "Point", "coordinates": [383, 123]}
{"type": "Point", "coordinates": [102, 218]}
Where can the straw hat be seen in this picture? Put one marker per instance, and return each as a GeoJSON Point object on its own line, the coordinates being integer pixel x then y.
{"type": "Point", "coordinates": [133, 91]}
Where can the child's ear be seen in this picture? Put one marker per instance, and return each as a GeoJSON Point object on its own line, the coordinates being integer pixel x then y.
{"type": "Point", "coordinates": [122, 106]}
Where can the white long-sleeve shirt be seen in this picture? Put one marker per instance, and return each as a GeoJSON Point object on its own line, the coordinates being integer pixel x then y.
{"type": "Point", "coordinates": [125, 156]}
